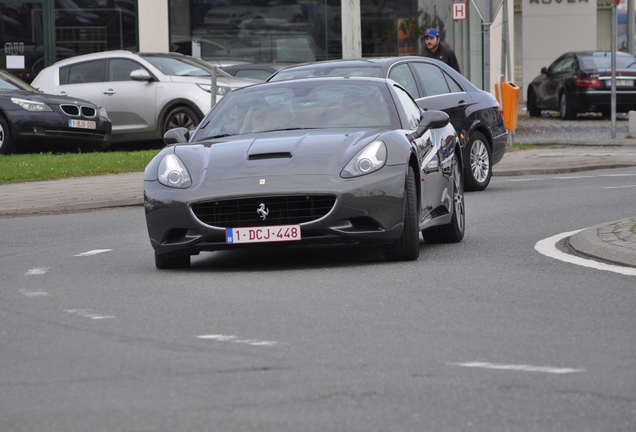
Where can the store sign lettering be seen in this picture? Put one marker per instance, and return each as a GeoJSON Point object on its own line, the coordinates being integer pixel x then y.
{"type": "Point", "coordinates": [14, 48]}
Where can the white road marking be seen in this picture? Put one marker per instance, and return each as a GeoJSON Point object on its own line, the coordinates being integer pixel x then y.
{"type": "Point", "coordinates": [93, 252]}
{"type": "Point", "coordinates": [236, 340]}
{"type": "Point", "coordinates": [548, 248]}
{"type": "Point", "coordinates": [37, 271]}
{"type": "Point", "coordinates": [87, 313]}
{"type": "Point", "coordinates": [619, 187]}
{"type": "Point", "coordinates": [574, 177]}
{"type": "Point", "coordinates": [518, 368]}
{"type": "Point", "coordinates": [33, 293]}
{"type": "Point", "coordinates": [523, 179]}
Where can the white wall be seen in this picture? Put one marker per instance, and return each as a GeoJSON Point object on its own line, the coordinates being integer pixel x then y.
{"type": "Point", "coordinates": [153, 26]}
{"type": "Point", "coordinates": [553, 27]}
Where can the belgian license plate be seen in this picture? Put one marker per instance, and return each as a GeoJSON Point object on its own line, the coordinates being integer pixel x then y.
{"type": "Point", "coordinates": [84, 124]}
{"type": "Point", "coordinates": [277, 233]}
{"type": "Point", "coordinates": [621, 83]}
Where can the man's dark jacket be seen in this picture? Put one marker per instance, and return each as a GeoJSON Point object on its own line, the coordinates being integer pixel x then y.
{"type": "Point", "coordinates": [444, 54]}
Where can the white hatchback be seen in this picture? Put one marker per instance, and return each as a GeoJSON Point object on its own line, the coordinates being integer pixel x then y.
{"type": "Point", "coordinates": [145, 94]}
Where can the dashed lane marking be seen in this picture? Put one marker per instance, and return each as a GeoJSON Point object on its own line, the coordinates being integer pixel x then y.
{"type": "Point", "coordinates": [518, 368]}
{"type": "Point", "coordinates": [548, 248]}
{"type": "Point", "coordinates": [34, 293]}
{"type": "Point", "coordinates": [37, 271]}
{"type": "Point", "coordinates": [87, 313]}
{"type": "Point", "coordinates": [93, 252]}
{"type": "Point", "coordinates": [237, 340]}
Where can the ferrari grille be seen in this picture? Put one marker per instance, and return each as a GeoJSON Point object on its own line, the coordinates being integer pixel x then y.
{"type": "Point", "coordinates": [264, 211]}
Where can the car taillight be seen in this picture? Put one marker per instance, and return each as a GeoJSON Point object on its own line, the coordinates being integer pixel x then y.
{"type": "Point", "coordinates": [587, 82]}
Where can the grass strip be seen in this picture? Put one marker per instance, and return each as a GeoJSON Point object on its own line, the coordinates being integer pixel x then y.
{"type": "Point", "coordinates": [18, 168]}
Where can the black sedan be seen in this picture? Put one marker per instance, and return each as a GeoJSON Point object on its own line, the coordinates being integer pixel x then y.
{"type": "Point", "coordinates": [475, 114]}
{"type": "Point", "coordinates": [329, 160]}
{"type": "Point", "coordinates": [580, 82]}
{"type": "Point", "coordinates": [29, 118]}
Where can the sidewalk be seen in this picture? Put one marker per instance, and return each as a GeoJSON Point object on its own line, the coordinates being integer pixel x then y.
{"type": "Point", "coordinates": [588, 146]}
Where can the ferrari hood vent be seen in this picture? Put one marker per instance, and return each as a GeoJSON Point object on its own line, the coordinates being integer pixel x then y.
{"type": "Point", "coordinates": [275, 155]}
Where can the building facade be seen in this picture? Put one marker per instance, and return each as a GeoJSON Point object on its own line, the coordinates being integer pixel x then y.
{"type": "Point", "coordinates": [523, 36]}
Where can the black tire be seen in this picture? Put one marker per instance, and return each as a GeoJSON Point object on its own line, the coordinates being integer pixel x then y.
{"type": "Point", "coordinates": [565, 108]}
{"type": "Point", "coordinates": [452, 232]}
{"type": "Point", "coordinates": [7, 145]}
{"type": "Point", "coordinates": [533, 111]}
{"type": "Point", "coordinates": [164, 262]}
{"type": "Point", "coordinates": [407, 247]}
{"type": "Point", "coordinates": [478, 169]}
{"type": "Point", "coordinates": [181, 116]}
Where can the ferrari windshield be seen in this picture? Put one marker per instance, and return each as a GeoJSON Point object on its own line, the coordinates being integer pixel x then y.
{"type": "Point", "coordinates": [321, 70]}
{"type": "Point", "coordinates": [307, 104]}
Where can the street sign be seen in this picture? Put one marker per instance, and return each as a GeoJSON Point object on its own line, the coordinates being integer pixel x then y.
{"type": "Point", "coordinates": [617, 2]}
{"type": "Point", "coordinates": [460, 11]}
{"type": "Point", "coordinates": [487, 9]}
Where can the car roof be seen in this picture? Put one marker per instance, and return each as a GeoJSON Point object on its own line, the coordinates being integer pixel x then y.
{"type": "Point", "coordinates": [597, 53]}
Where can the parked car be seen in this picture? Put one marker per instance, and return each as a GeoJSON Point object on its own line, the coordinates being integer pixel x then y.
{"type": "Point", "coordinates": [258, 71]}
{"type": "Point", "coordinates": [475, 114]}
{"type": "Point", "coordinates": [29, 118]}
{"type": "Point", "coordinates": [307, 161]}
{"type": "Point", "coordinates": [145, 94]}
{"type": "Point", "coordinates": [580, 82]}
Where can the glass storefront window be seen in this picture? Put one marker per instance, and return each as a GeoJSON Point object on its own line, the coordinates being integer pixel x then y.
{"type": "Point", "coordinates": [81, 27]}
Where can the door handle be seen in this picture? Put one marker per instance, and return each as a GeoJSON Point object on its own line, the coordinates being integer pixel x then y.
{"type": "Point", "coordinates": [109, 92]}
{"type": "Point", "coordinates": [461, 104]}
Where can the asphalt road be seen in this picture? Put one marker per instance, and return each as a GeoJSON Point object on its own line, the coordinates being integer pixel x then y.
{"type": "Point", "coordinates": [484, 335]}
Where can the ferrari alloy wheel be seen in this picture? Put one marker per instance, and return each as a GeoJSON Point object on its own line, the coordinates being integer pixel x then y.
{"type": "Point", "coordinates": [452, 232]}
{"type": "Point", "coordinates": [565, 108]}
{"type": "Point", "coordinates": [407, 247]}
{"type": "Point", "coordinates": [6, 143]}
{"type": "Point", "coordinates": [533, 111]}
{"type": "Point", "coordinates": [479, 168]}
{"type": "Point", "coordinates": [164, 262]}
{"type": "Point", "coordinates": [181, 117]}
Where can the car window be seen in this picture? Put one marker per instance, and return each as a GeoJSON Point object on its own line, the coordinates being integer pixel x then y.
{"type": "Point", "coordinates": [452, 84]}
{"type": "Point", "coordinates": [403, 76]}
{"type": "Point", "coordinates": [301, 105]}
{"type": "Point", "coordinates": [85, 72]}
{"type": "Point", "coordinates": [178, 66]}
{"type": "Point", "coordinates": [260, 74]}
{"type": "Point", "coordinates": [319, 71]}
{"type": "Point", "coordinates": [432, 78]}
{"type": "Point", "coordinates": [120, 69]}
{"type": "Point", "coordinates": [412, 110]}
{"type": "Point", "coordinates": [564, 65]}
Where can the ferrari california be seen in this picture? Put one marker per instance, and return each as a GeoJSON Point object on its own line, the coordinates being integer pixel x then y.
{"type": "Point", "coordinates": [323, 160]}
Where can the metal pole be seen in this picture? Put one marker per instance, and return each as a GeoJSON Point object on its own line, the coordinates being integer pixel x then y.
{"type": "Point", "coordinates": [213, 86]}
{"type": "Point", "coordinates": [630, 26]}
{"type": "Point", "coordinates": [613, 44]}
{"type": "Point", "coordinates": [486, 27]}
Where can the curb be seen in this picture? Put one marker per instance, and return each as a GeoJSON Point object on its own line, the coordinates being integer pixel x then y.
{"type": "Point", "coordinates": [588, 240]}
{"type": "Point", "coordinates": [71, 208]}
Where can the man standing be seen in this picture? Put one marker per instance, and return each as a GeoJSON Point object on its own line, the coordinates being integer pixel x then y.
{"type": "Point", "coordinates": [440, 52]}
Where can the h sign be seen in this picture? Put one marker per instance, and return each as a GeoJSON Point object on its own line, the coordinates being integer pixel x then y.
{"type": "Point", "coordinates": [460, 11]}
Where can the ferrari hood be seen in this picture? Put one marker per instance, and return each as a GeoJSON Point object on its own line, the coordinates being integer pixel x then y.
{"type": "Point", "coordinates": [310, 152]}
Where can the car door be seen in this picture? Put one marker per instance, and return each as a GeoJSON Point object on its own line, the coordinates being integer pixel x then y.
{"type": "Point", "coordinates": [548, 91]}
{"type": "Point", "coordinates": [131, 105]}
{"type": "Point", "coordinates": [81, 80]}
{"type": "Point", "coordinates": [439, 91]}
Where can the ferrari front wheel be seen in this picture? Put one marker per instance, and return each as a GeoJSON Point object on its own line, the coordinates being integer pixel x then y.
{"type": "Point", "coordinates": [407, 247]}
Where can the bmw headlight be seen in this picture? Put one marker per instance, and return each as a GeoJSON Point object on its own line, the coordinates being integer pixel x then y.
{"type": "Point", "coordinates": [370, 159]}
{"type": "Point", "coordinates": [173, 173]}
{"type": "Point", "coordinates": [30, 105]}
{"type": "Point", "coordinates": [102, 112]}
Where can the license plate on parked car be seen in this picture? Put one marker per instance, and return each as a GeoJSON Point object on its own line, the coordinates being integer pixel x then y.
{"type": "Point", "coordinates": [84, 124]}
{"type": "Point", "coordinates": [620, 83]}
{"type": "Point", "coordinates": [276, 233]}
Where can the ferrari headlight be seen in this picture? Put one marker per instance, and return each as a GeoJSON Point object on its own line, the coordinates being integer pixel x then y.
{"type": "Point", "coordinates": [173, 173]}
{"type": "Point", "coordinates": [30, 105]}
{"type": "Point", "coordinates": [370, 159]}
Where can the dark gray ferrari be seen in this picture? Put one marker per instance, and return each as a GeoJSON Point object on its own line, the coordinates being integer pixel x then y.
{"type": "Point", "coordinates": [321, 160]}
